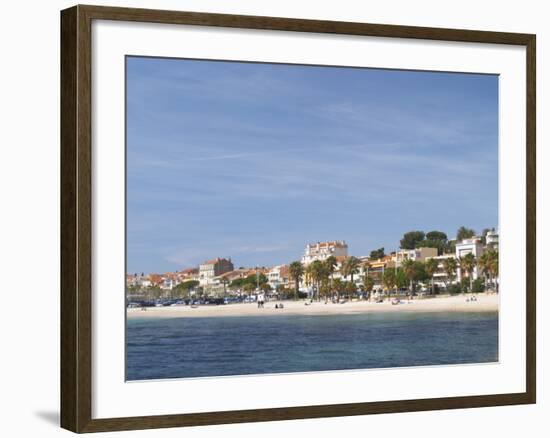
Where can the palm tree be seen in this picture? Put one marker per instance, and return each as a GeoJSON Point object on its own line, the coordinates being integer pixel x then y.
{"type": "Point", "coordinates": [350, 267]}
{"type": "Point", "coordinates": [351, 288]}
{"type": "Point", "coordinates": [493, 268]}
{"type": "Point", "coordinates": [449, 266]}
{"type": "Point", "coordinates": [409, 269]}
{"type": "Point", "coordinates": [388, 279]}
{"type": "Point", "coordinates": [224, 282]}
{"type": "Point", "coordinates": [484, 265]}
{"type": "Point", "coordinates": [338, 286]}
{"type": "Point", "coordinates": [464, 233]}
{"type": "Point", "coordinates": [319, 273]}
{"type": "Point", "coordinates": [296, 272]}
{"type": "Point", "coordinates": [488, 263]}
{"type": "Point", "coordinates": [467, 264]}
{"type": "Point", "coordinates": [368, 284]}
{"type": "Point", "coordinates": [330, 266]}
{"type": "Point", "coordinates": [308, 275]}
{"type": "Point", "coordinates": [431, 268]}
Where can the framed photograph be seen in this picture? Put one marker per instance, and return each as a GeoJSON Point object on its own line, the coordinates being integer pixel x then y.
{"type": "Point", "coordinates": [271, 218]}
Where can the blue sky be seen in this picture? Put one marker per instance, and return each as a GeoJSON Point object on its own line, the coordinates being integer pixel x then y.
{"type": "Point", "coordinates": [252, 161]}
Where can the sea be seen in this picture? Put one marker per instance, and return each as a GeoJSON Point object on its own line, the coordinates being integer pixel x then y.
{"type": "Point", "coordinates": [167, 348]}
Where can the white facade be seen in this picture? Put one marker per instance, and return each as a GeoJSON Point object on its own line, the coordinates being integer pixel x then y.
{"type": "Point", "coordinates": [278, 276]}
{"type": "Point", "coordinates": [206, 274]}
{"type": "Point", "coordinates": [418, 254]}
{"type": "Point", "coordinates": [168, 284]}
{"type": "Point", "coordinates": [440, 276]}
{"type": "Point", "coordinates": [212, 268]}
{"type": "Point", "coordinates": [491, 239]}
{"type": "Point", "coordinates": [469, 246]}
{"type": "Point", "coordinates": [323, 250]}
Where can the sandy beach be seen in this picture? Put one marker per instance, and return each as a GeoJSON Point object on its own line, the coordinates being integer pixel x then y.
{"type": "Point", "coordinates": [484, 303]}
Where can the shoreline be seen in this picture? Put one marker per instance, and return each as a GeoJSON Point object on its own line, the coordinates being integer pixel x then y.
{"type": "Point", "coordinates": [484, 303]}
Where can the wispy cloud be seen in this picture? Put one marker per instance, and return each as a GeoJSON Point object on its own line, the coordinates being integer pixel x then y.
{"type": "Point", "coordinates": [251, 161]}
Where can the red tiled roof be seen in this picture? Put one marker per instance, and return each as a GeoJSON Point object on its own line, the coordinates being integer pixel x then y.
{"type": "Point", "coordinates": [189, 271]}
{"type": "Point", "coordinates": [214, 261]}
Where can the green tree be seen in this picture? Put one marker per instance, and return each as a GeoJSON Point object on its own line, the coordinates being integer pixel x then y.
{"type": "Point", "coordinates": [401, 280]}
{"type": "Point", "coordinates": [464, 233]}
{"type": "Point", "coordinates": [240, 283]}
{"type": "Point", "coordinates": [434, 239]}
{"type": "Point", "coordinates": [350, 267]}
{"type": "Point", "coordinates": [308, 275]}
{"type": "Point", "coordinates": [431, 268]}
{"type": "Point", "coordinates": [319, 273]}
{"type": "Point", "coordinates": [330, 266]}
{"type": "Point", "coordinates": [225, 282]}
{"type": "Point", "coordinates": [489, 264]}
{"type": "Point", "coordinates": [388, 279]}
{"type": "Point", "coordinates": [133, 289]}
{"type": "Point", "coordinates": [339, 286]}
{"type": "Point", "coordinates": [420, 271]}
{"type": "Point", "coordinates": [185, 287]}
{"type": "Point", "coordinates": [478, 286]}
{"type": "Point", "coordinates": [436, 235]}
{"type": "Point", "coordinates": [494, 269]}
{"type": "Point", "coordinates": [467, 264]}
{"type": "Point", "coordinates": [154, 292]}
{"type": "Point", "coordinates": [449, 266]}
{"type": "Point", "coordinates": [440, 245]}
{"type": "Point", "coordinates": [351, 288]}
{"type": "Point", "coordinates": [411, 239]}
{"type": "Point", "coordinates": [296, 272]}
{"type": "Point", "coordinates": [377, 254]}
{"type": "Point", "coordinates": [368, 284]}
{"type": "Point", "coordinates": [450, 247]}
{"type": "Point", "coordinates": [409, 269]}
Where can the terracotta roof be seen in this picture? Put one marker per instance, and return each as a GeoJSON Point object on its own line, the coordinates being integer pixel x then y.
{"type": "Point", "coordinates": [285, 270]}
{"type": "Point", "coordinates": [189, 271]}
{"type": "Point", "coordinates": [214, 261]}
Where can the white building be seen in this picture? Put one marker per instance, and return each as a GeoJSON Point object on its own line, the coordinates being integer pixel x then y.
{"type": "Point", "coordinates": [323, 250]}
{"type": "Point", "coordinates": [491, 239]}
{"type": "Point", "coordinates": [140, 281]}
{"type": "Point", "coordinates": [168, 283]}
{"type": "Point", "coordinates": [470, 246]}
{"type": "Point", "coordinates": [212, 268]}
{"type": "Point", "coordinates": [189, 274]}
{"type": "Point", "coordinates": [417, 254]}
{"type": "Point", "coordinates": [278, 276]}
{"type": "Point", "coordinates": [440, 276]}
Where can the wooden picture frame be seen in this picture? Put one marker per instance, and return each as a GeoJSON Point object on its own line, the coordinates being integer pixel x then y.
{"type": "Point", "coordinates": [76, 217]}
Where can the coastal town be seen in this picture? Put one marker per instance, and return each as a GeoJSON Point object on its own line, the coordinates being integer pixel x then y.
{"type": "Point", "coordinates": [426, 264]}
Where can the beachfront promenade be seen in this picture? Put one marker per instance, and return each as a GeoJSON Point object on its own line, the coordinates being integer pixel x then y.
{"type": "Point", "coordinates": [459, 303]}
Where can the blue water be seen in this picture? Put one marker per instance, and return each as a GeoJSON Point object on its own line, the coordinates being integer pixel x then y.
{"type": "Point", "coordinates": [160, 348]}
